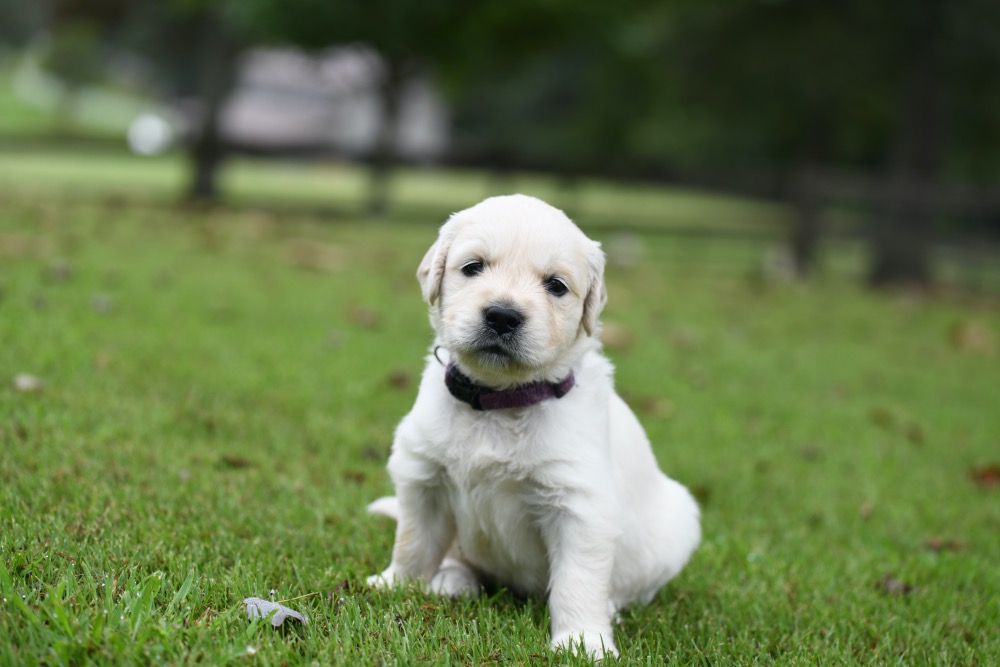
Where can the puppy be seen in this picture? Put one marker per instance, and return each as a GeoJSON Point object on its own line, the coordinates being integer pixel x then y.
{"type": "Point", "coordinates": [518, 462]}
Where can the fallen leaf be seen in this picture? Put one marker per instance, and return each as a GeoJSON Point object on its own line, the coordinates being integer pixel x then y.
{"type": "Point", "coordinates": [940, 544]}
{"type": "Point", "coordinates": [336, 596]}
{"type": "Point", "coordinates": [987, 475]}
{"type": "Point", "coordinates": [702, 493]}
{"type": "Point", "coordinates": [974, 337]}
{"type": "Point", "coordinates": [341, 585]}
{"type": "Point", "coordinates": [882, 417]}
{"type": "Point", "coordinates": [366, 318]}
{"type": "Point", "coordinates": [234, 461]}
{"type": "Point", "coordinates": [866, 510]}
{"type": "Point", "coordinates": [372, 453]}
{"type": "Point", "coordinates": [789, 591]}
{"type": "Point", "coordinates": [59, 271]}
{"type": "Point", "coordinates": [315, 255]}
{"type": "Point", "coordinates": [616, 336]}
{"type": "Point", "coordinates": [915, 434]}
{"type": "Point", "coordinates": [15, 245]}
{"type": "Point", "coordinates": [261, 608]}
{"type": "Point", "coordinates": [811, 453]}
{"type": "Point", "coordinates": [27, 383]}
{"type": "Point", "coordinates": [20, 431]}
{"type": "Point", "coordinates": [889, 585]}
{"type": "Point", "coordinates": [656, 406]}
{"type": "Point", "coordinates": [356, 476]}
{"type": "Point", "coordinates": [400, 379]}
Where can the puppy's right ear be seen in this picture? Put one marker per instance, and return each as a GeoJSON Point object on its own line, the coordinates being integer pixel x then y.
{"type": "Point", "coordinates": [597, 293]}
{"type": "Point", "coordinates": [430, 273]}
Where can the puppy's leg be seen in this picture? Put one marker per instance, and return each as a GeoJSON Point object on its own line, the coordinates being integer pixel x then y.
{"type": "Point", "coordinates": [456, 578]}
{"type": "Point", "coordinates": [425, 531]}
{"type": "Point", "coordinates": [582, 557]}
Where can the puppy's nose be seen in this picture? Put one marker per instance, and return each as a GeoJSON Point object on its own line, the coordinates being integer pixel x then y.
{"type": "Point", "coordinates": [502, 319]}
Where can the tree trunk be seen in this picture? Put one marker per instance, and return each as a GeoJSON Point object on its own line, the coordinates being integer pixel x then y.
{"type": "Point", "coordinates": [384, 157]}
{"type": "Point", "coordinates": [806, 223]}
{"type": "Point", "coordinates": [217, 77]}
{"type": "Point", "coordinates": [902, 238]}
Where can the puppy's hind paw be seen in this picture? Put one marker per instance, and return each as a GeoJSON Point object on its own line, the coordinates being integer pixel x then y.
{"type": "Point", "coordinates": [595, 645]}
{"type": "Point", "coordinates": [454, 579]}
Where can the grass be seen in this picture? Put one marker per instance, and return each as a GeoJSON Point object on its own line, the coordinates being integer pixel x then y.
{"type": "Point", "coordinates": [220, 392]}
{"type": "Point", "coordinates": [338, 188]}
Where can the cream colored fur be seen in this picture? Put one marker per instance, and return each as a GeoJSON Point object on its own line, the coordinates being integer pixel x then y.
{"type": "Point", "coordinates": [562, 499]}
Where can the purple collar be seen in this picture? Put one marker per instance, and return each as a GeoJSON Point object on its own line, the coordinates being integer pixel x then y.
{"type": "Point", "coordinates": [483, 398]}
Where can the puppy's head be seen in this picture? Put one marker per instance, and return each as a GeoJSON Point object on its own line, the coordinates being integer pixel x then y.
{"type": "Point", "coordinates": [515, 290]}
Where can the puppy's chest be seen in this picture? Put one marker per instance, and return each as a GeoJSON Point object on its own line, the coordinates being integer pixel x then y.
{"type": "Point", "coordinates": [493, 448]}
{"type": "Point", "coordinates": [497, 491]}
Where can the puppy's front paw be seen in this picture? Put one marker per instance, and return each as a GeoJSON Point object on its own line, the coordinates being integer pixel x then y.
{"type": "Point", "coordinates": [590, 643]}
{"type": "Point", "coordinates": [385, 579]}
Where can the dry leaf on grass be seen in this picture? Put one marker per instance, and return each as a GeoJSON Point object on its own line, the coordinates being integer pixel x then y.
{"type": "Point", "coordinates": [234, 461]}
{"type": "Point", "coordinates": [261, 608]}
{"type": "Point", "coordinates": [364, 317]}
{"type": "Point", "coordinates": [940, 544]}
{"type": "Point", "coordinates": [974, 337]}
{"type": "Point", "coordinates": [882, 417]}
{"type": "Point", "coordinates": [987, 475]}
{"type": "Point", "coordinates": [616, 337]}
{"type": "Point", "coordinates": [16, 245]}
{"type": "Point", "coordinates": [27, 383]}
{"type": "Point", "coordinates": [657, 406]}
{"type": "Point", "coordinates": [315, 255]}
{"type": "Point", "coordinates": [889, 585]}
{"type": "Point", "coordinates": [400, 379]}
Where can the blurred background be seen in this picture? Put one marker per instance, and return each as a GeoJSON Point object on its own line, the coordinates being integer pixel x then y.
{"type": "Point", "coordinates": [857, 138]}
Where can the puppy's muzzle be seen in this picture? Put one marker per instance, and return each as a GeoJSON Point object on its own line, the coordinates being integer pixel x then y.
{"type": "Point", "coordinates": [502, 320]}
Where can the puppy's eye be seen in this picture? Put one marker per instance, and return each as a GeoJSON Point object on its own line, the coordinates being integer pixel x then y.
{"type": "Point", "coordinates": [555, 287]}
{"type": "Point", "coordinates": [473, 268]}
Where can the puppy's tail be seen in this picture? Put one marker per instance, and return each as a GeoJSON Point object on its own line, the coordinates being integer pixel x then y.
{"type": "Point", "coordinates": [387, 506]}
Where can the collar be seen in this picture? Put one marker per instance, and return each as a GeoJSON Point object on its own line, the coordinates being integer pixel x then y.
{"type": "Point", "coordinates": [479, 397]}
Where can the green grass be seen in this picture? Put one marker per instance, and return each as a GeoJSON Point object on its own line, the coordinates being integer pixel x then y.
{"type": "Point", "coordinates": [220, 392]}
{"type": "Point", "coordinates": [340, 188]}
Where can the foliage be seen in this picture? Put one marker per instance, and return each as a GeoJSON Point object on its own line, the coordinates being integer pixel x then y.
{"type": "Point", "coordinates": [75, 54]}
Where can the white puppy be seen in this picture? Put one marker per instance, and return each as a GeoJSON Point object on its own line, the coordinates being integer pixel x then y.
{"type": "Point", "coordinates": [519, 462]}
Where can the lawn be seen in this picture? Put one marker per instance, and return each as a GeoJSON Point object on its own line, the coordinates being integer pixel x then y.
{"type": "Point", "coordinates": [219, 391]}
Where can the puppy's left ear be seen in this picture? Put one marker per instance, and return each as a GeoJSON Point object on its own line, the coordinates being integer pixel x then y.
{"type": "Point", "coordinates": [597, 293]}
{"type": "Point", "coordinates": [430, 273]}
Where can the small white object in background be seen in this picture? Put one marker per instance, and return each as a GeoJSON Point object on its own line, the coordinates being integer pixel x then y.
{"type": "Point", "coordinates": [261, 608]}
{"type": "Point", "coordinates": [149, 134]}
{"type": "Point", "coordinates": [27, 383]}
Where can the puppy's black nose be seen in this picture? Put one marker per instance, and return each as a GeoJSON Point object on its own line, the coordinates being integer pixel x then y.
{"type": "Point", "coordinates": [502, 319]}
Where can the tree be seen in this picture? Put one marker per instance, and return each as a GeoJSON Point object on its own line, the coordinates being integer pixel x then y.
{"type": "Point", "coordinates": [447, 39]}
{"type": "Point", "coordinates": [20, 22]}
{"type": "Point", "coordinates": [886, 88]}
{"type": "Point", "coordinates": [406, 35]}
{"type": "Point", "coordinates": [193, 47]}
